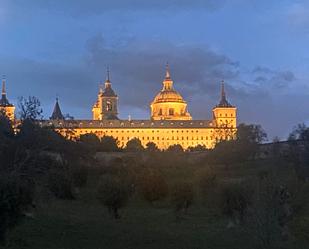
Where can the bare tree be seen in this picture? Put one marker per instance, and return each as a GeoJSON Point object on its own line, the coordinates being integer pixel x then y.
{"type": "Point", "coordinates": [30, 108]}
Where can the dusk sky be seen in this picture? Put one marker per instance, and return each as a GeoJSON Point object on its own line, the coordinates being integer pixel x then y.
{"type": "Point", "coordinates": [259, 47]}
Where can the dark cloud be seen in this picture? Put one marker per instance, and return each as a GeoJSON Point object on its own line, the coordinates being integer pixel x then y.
{"type": "Point", "coordinates": [140, 66]}
{"type": "Point", "coordinates": [270, 78]}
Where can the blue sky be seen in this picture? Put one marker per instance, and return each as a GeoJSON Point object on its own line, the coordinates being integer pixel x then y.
{"type": "Point", "coordinates": [259, 47]}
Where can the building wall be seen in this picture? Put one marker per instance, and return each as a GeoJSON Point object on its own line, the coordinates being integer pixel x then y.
{"type": "Point", "coordinates": [9, 112]}
{"type": "Point", "coordinates": [225, 116]}
{"type": "Point", "coordinates": [162, 137]}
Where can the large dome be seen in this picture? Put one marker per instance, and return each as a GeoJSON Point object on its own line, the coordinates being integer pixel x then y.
{"type": "Point", "coordinates": [168, 103]}
{"type": "Point", "coordinates": [168, 96]}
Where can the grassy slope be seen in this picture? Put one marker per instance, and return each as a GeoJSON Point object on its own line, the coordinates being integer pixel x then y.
{"type": "Point", "coordinates": [84, 223]}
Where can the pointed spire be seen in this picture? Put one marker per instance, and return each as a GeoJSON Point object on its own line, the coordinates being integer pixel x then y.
{"type": "Point", "coordinates": [3, 85]}
{"type": "Point", "coordinates": [4, 101]}
{"type": "Point", "coordinates": [223, 100]}
{"type": "Point", "coordinates": [107, 74]}
{"type": "Point", "coordinates": [167, 83]}
{"type": "Point", "coordinates": [222, 90]}
{"type": "Point", "coordinates": [107, 81]}
{"type": "Point", "coordinates": [57, 114]}
{"type": "Point", "coordinates": [167, 73]}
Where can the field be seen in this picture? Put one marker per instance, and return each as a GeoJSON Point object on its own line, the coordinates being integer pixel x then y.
{"type": "Point", "coordinates": [85, 223]}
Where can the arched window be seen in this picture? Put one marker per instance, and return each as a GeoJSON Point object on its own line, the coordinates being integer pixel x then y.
{"type": "Point", "coordinates": [160, 112]}
{"type": "Point", "coordinates": [171, 111]}
{"type": "Point", "coordinates": [109, 106]}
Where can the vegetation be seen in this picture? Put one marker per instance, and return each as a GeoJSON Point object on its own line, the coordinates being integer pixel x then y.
{"type": "Point", "coordinates": [52, 191]}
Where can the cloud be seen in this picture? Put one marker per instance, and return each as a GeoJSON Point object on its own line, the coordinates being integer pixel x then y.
{"type": "Point", "coordinates": [273, 79]}
{"type": "Point", "coordinates": [141, 66]}
{"type": "Point", "coordinates": [137, 70]}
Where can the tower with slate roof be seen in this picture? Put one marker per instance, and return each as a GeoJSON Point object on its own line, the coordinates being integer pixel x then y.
{"type": "Point", "coordinates": [106, 106]}
{"type": "Point", "coordinates": [224, 113]}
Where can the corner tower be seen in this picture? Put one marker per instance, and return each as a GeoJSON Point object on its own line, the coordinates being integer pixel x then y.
{"type": "Point", "coordinates": [106, 106]}
{"type": "Point", "coordinates": [5, 105]}
{"type": "Point", "coordinates": [169, 104]}
{"type": "Point", "coordinates": [224, 113]}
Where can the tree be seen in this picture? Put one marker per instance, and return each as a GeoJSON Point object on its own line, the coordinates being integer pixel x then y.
{"type": "Point", "coordinates": [16, 195]}
{"type": "Point", "coordinates": [30, 108]}
{"type": "Point", "coordinates": [152, 147]}
{"type": "Point", "coordinates": [91, 141]}
{"type": "Point", "coordinates": [113, 192]}
{"type": "Point", "coordinates": [175, 148]}
{"type": "Point", "coordinates": [109, 143]}
{"type": "Point", "coordinates": [6, 128]}
{"type": "Point", "coordinates": [198, 147]}
{"type": "Point", "coordinates": [270, 212]}
{"type": "Point", "coordinates": [236, 199]}
{"type": "Point", "coordinates": [298, 153]}
{"type": "Point", "coordinates": [182, 196]}
{"type": "Point", "coordinates": [134, 145]}
{"type": "Point", "coordinates": [244, 147]}
{"type": "Point", "coordinates": [153, 185]}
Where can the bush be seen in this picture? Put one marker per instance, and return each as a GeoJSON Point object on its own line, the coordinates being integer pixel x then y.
{"type": "Point", "coordinates": [113, 192]}
{"type": "Point", "coordinates": [16, 195]}
{"type": "Point", "coordinates": [79, 174]}
{"type": "Point", "coordinates": [60, 184]}
{"type": "Point", "coordinates": [153, 186]}
{"type": "Point", "coordinates": [207, 180]}
{"type": "Point", "coordinates": [109, 143]}
{"type": "Point", "coordinates": [134, 145]}
{"type": "Point", "coordinates": [182, 196]}
{"type": "Point", "coordinates": [236, 198]}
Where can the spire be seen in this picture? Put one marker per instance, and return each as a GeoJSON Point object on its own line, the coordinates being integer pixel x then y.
{"type": "Point", "coordinates": [167, 83]}
{"type": "Point", "coordinates": [222, 90]}
{"type": "Point", "coordinates": [223, 100]}
{"type": "Point", "coordinates": [107, 74]}
{"type": "Point", "coordinates": [167, 73]}
{"type": "Point", "coordinates": [57, 114]}
{"type": "Point", "coordinates": [4, 101]}
{"type": "Point", "coordinates": [107, 81]}
{"type": "Point", "coordinates": [3, 85]}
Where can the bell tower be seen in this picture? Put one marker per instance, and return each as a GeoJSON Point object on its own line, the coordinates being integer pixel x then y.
{"type": "Point", "coordinates": [106, 107]}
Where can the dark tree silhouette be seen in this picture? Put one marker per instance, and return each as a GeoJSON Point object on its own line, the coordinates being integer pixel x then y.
{"type": "Point", "coordinates": [30, 108]}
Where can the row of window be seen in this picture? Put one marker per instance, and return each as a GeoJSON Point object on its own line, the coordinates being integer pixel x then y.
{"type": "Point", "coordinates": [225, 115]}
{"type": "Point", "coordinates": [153, 131]}
{"type": "Point", "coordinates": [167, 138]}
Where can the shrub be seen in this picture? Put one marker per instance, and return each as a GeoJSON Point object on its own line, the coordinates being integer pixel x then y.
{"type": "Point", "coordinates": [153, 186]}
{"type": "Point", "coordinates": [60, 184]}
{"type": "Point", "coordinates": [113, 192]}
{"type": "Point", "coordinates": [182, 196]}
{"type": "Point", "coordinates": [79, 174]}
{"type": "Point", "coordinates": [134, 145]}
{"type": "Point", "coordinates": [16, 194]}
{"type": "Point", "coordinates": [109, 143]}
{"type": "Point", "coordinates": [236, 198]}
{"type": "Point", "coordinates": [207, 180]}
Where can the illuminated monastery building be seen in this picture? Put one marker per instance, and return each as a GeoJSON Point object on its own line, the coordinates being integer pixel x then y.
{"type": "Point", "coordinates": [170, 122]}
